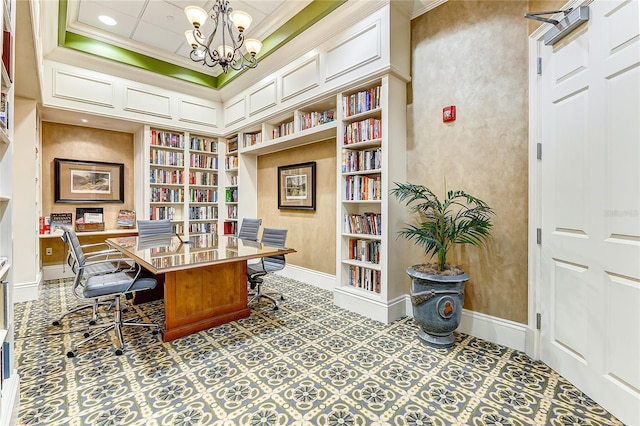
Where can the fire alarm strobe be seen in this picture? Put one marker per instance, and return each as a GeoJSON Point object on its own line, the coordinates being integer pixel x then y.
{"type": "Point", "coordinates": [448, 113]}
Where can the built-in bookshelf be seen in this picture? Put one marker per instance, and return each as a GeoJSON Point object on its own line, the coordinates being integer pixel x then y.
{"type": "Point", "coordinates": [371, 155]}
{"type": "Point", "coordinates": [9, 380]}
{"type": "Point", "coordinates": [203, 181]}
{"type": "Point", "coordinates": [167, 177]}
{"type": "Point", "coordinates": [231, 195]}
{"type": "Point", "coordinates": [184, 180]}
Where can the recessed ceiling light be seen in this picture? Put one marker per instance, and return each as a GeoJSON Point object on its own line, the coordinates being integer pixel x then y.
{"type": "Point", "coordinates": [84, 120]}
{"type": "Point", "coordinates": [107, 20]}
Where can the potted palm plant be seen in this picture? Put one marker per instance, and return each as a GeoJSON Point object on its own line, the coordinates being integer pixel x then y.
{"type": "Point", "coordinates": [437, 289]}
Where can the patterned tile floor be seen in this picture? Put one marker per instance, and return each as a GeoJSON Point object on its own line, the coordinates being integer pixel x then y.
{"type": "Point", "coordinates": [310, 363]}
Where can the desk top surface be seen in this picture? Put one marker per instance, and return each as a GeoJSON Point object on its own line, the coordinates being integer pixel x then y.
{"type": "Point", "coordinates": [168, 253]}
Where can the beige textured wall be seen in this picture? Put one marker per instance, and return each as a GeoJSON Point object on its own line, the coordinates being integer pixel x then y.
{"type": "Point", "coordinates": [85, 143]}
{"type": "Point", "coordinates": [473, 54]}
{"type": "Point", "coordinates": [311, 233]}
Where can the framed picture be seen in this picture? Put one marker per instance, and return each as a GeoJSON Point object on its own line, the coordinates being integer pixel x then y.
{"type": "Point", "coordinates": [297, 186]}
{"type": "Point", "coordinates": [88, 181]}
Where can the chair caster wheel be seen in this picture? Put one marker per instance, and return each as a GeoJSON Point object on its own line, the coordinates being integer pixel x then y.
{"type": "Point", "coordinates": [282, 298]}
{"type": "Point", "coordinates": [56, 323]}
{"type": "Point", "coordinates": [119, 352]}
{"type": "Point", "coordinates": [86, 334]}
{"type": "Point", "coordinates": [71, 354]}
{"type": "Point", "coordinates": [124, 310]}
{"type": "Point", "coordinates": [275, 308]}
{"type": "Point", "coordinates": [155, 332]}
{"type": "Point", "coordinates": [92, 322]}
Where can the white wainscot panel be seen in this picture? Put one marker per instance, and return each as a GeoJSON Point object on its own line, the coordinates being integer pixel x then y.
{"type": "Point", "coordinates": [358, 50]}
{"type": "Point", "coordinates": [302, 79]}
{"type": "Point", "coordinates": [234, 112]}
{"type": "Point", "coordinates": [623, 322]}
{"type": "Point", "coordinates": [83, 89]}
{"type": "Point", "coordinates": [145, 102]}
{"type": "Point", "coordinates": [263, 98]}
{"type": "Point", "coordinates": [570, 321]}
{"type": "Point", "coordinates": [196, 113]}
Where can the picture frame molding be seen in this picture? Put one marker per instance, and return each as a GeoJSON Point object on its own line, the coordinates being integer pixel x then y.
{"type": "Point", "coordinates": [63, 168]}
{"type": "Point", "coordinates": [307, 169]}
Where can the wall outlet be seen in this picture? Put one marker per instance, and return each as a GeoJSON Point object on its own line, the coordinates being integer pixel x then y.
{"type": "Point", "coordinates": [48, 251]}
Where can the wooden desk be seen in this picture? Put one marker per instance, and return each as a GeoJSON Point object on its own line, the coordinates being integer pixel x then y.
{"type": "Point", "coordinates": [205, 281]}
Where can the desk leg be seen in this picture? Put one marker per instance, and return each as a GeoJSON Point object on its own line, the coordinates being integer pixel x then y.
{"type": "Point", "coordinates": [200, 298]}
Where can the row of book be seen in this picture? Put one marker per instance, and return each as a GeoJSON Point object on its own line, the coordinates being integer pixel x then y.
{"type": "Point", "coordinates": [203, 161]}
{"type": "Point", "coordinates": [232, 212]}
{"type": "Point", "coordinates": [360, 102]}
{"type": "Point", "coordinates": [362, 188]}
{"type": "Point", "coordinates": [231, 195]}
{"type": "Point", "coordinates": [364, 250]}
{"type": "Point", "coordinates": [4, 112]}
{"type": "Point", "coordinates": [168, 139]}
{"type": "Point", "coordinates": [166, 158]}
{"type": "Point", "coordinates": [356, 161]}
{"type": "Point", "coordinates": [230, 228]}
{"type": "Point", "coordinates": [203, 228]}
{"type": "Point", "coordinates": [233, 180]}
{"type": "Point", "coordinates": [167, 195]}
{"type": "Point", "coordinates": [368, 223]}
{"type": "Point", "coordinates": [364, 278]}
{"type": "Point", "coordinates": [230, 162]}
{"type": "Point", "coordinates": [202, 144]}
{"type": "Point", "coordinates": [203, 195]}
{"type": "Point", "coordinates": [282, 129]}
{"type": "Point", "coordinates": [362, 131]}
{"type": "Point", "coordinates": [161, 212]}
{"type": "Point", "coordinates": [203, 178]}
{"type": "Point", "coordinates": [232, 144]}
{"type": "Point", "coordinates": [313, 119]}
{"type": "Point", "coordinates": [173, 177]}
{"type": "Point", "coordinates": [203, 212]}
{"type": "Point", "coordinates": [252, 138]}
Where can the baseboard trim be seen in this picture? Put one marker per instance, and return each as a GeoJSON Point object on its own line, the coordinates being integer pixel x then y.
{"type": "Point", "coordinates": [54, 272]}
{"type": "Point", "coordinates": [23, 292]}
{"type": "Point", "coordinates": [316, 278]}
{"type": "Point", "coordinates": [494, 329]}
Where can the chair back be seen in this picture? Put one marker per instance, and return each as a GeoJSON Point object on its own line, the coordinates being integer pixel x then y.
{"type": "Point", "coordinates": [249, 229]}
{"type": "Point", "coordinates": [274, 237]}
{"type": "Point", "coordinates": [154, 227]}
{"type": "Point", "coordinates": [75, 258]}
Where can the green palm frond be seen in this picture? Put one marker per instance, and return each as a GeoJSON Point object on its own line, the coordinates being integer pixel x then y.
{"type": "Point", "coordinates": [460, 218]}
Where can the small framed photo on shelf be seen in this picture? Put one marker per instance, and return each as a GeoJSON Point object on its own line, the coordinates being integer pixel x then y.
{"type": "Point", "coordinates": [297, 186]}
{"type": "Point", "coordinates": [88, 181]}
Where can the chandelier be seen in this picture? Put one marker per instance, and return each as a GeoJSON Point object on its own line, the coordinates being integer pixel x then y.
{"type": "Point", "coordinates": [228, 53]}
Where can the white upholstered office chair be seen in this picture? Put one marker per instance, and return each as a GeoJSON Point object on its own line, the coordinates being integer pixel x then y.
{"type": "Point", "coordinates": [249, 229]}
{"type": "Point", "coordinates": [108, 287]}
{"type": "Point", "coordinates": [272, 237]}
{"type": "Point", "coordinates": [154, 227]}
{"type": "Point", "coordinates": [100, 259]}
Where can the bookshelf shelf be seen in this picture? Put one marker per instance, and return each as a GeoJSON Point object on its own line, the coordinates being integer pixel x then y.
{"type": "Point", "coordinates": [303, 137]}
{"type": "Point", "coordinates": [362, 236]}
{"type": "Point", "coordinates": [4, 199]}
{"type": "Point", "coordinates": [362, 264]}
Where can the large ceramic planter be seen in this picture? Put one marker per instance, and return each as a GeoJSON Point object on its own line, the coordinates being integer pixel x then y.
{"type": "Point", "coordinates": [437, 305]}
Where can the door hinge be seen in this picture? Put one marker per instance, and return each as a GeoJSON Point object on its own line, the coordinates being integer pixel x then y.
{"type": "Point", "coordinates": [539, 66]}
{"type": "Point", "coordinates": [539, 151]}
{"type": "Point", "coordinates": [538, 321]}
{"type": "Point", "coordinates": [539, 236]}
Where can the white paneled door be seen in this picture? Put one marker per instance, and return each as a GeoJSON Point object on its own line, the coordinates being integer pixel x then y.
{"type": "Point", "coordinates": [589, 94]}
